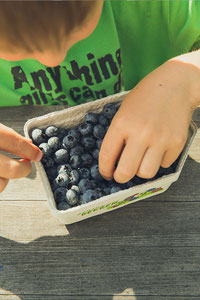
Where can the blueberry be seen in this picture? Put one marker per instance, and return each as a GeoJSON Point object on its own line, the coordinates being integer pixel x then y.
{"type": "Point", "coordinates": [46, 150]}
{"type": "Point", "coordinates": [98, 143]}
{"type": "Point", "coordinates": [129, 184]}
{"type": "Point", "coordinates": [54, 185]}
{"type": "Point", "coordinates": [94, 183]}
{"type": "Point", "coordinates": [137, 180]}
{"type": "Point", "coordinates": [47, 161]}
{"type": "Point", "coordinates": [86, 159]}
{"type": "Point", "coordinates": [75, 188]}
{"type": "Point", "coordinates": [51, 131]}
{"type": "Point", "coordinates": [84, 185]}
{"type": "Point", "coordinates": [72, 197]}
{"type": "Point", "coordinates": [62, 180]}
{"type": "Point", "coordinates": [75, 161]}
{"type": "Point", "coordinates": [74, 176]}
{"type": "Point", "coordinates": [85, 129]}
{"type": "Point", "coordinates": [115, 189]}
{"type": "Point", "coordinates": [63, 206]}
{"type": "Point", "coordinates": [109, 110]}
{"type": "Point", "coordinates": [74, 132]}
{"type": "Point", "coordinates": [88, 142]}
{"type": "Point", "coordinates": [95, 173]}
{"type": "Point", "coordinates": [99, 192]}
{"type": "Point", "coordinates": [51, 172]}
{"type": "Point", "coordinates": [95, 154]}
{"type": "Point", "coordinates": [61, 156]}
{"type": "Point", "coordinates": [84, 173]}
{"type": "Point", "coordinates": [99, 131]}
{"type": "Point", "coordinates": [77, 150]}
{"type": "Point", "coordinates": [64, 168]}
{"type": "Point", "coordinates": [69, 141]}
{"type": "Point", "coordinates": [62, 132]}
{"type": "Point", "coordinates": [89, 196]}
{"type": "Point", "coordinates": [60, 194]}
{"type": "Point", "coordinates": [38, 136]}
{"type": "Point", "coordinates": [91, 118]}
{"type": "Point", "coordinates": [102, 120]}
{"type": "Point", "coordinates": [106, 190]}
{"type": "Point", "coordinates": [54, 143]}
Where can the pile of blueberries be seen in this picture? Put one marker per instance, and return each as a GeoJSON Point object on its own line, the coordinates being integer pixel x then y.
{"type": "Point", "coordinates": [70, 159]}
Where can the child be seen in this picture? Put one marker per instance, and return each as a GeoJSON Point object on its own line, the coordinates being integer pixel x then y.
{"type": "Point", "coordinates": [69, 52]}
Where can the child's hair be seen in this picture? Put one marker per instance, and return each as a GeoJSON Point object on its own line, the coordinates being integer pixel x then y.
{"type": "Point", "coordinates": [38, 25]}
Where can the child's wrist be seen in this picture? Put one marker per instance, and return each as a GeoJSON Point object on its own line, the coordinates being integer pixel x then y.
{"type": "Point", "coordinates": [187, 67]}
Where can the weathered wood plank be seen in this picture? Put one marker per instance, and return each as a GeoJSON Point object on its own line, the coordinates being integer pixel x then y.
{"type": "Point", "coordinates": [92, 297]}
{"type": "Point", "coordinates": [150, 224]}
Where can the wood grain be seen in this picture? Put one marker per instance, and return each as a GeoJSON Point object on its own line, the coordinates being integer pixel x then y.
{"type": "Point", "coordinates": [149, 250]}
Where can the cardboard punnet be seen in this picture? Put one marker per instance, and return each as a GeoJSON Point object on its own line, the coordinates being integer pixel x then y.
{"type": "Point", "coordinates": [71, 117]}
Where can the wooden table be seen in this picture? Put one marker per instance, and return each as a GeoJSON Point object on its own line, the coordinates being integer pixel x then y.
{"type": "Point", "coordinates": [149, 250]}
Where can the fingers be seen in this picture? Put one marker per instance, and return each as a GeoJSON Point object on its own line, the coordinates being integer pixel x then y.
{"type": "Point", "coordinates": [3, 184]}
{"type": "Point", "coordinates": [151, 162]}
{"type": "Point", "coordinates": [110, 150]}
{"type": "Point", "coordinates": [129, 161]}
{"type": "Point", "coordinates": [12, 168]}
{"type": "Point", "coordinates": [12, 142]}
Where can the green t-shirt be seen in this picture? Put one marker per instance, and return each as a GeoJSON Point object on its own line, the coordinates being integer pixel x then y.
{"type": "Point", "coordinates": [131, 39]}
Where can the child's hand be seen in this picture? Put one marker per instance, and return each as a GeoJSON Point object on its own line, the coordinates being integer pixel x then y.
{"type": "Point", "coordinates": [150, 128]}
{"type": "Point", "coordinates": [12, 142]}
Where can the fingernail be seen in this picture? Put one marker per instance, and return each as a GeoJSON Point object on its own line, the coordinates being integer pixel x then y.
{"type": "Point", "coordinates": [39, 156]}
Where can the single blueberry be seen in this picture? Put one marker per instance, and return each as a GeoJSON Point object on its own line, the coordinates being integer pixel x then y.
{"type": "Point", "coordinates": [84, 185]}
{"type": "Point", "coordinates": [72, 197]}
{"type": "Point", "coordinates": [106, 191]}
{"type": "Point", "coordinates": [95, 173]}
{"type": "Point", "coordinates": [75, 188]}
{"type": "Point", "coordinates": [75, 161]}
{"type": "Point", "coordinates": [54, 143]}
{"type": "Point", "coordinates": [94, 183]}
{"type": "Point", "coordinates": [63, 206]}
{"type": "Point", "coordinates": [89, 196]}
{"type": "Point", "coordinates": [47, 161]}
{"type": "Point", "coordinates": [98, 143]}
{"type": "Point", "coordinates": [115, 189]}
{"type": "Point", "coordinates": [88, 142]}
{"type": "Point", "coordinates": [102, 120]}
{"type": "Point", "coordinates": [95, 153]}
{"type": "Point", "coordinates": [84, 173]}
{"type": "Point", "coordinates": [54, 185]}
{"type": "Point", "coordinates": [109, 110]}
{"type": "Point", "coordinates": [91, 118]}
{"type": "Point", "coordinates": [61, 156]}
{"type": "Point", "coordinates": [77, 150]}
{"type": "Point", "coordinates": [51, 131]}
{"type": "Point", "coordinates": [86, 159]}
{"type": "Point", "coordinates": [38, 136]}
{"type": "Point", "coordinates": [46, 150]}
{"type": "Point", "coordinates": [64, 168]}
{"type": "Point", "coordinates": [74, 176]}
{"type": "Point", "coordinates": [74, 132]}
{"type": "Point", "coordinates": [99, 131]}
{"type": "Point", "coordinates": [60, 194]}
{"type": "Point", "coordinates": [85, 129]}
{"type": "Point", "coordinates": [129, 184]}
{"type": "Point", "coordinates": [62, 179]}
{"type": "Point", "coordinates": [99, 192]}
{"type": "Point", "coordinates": [69, 141]}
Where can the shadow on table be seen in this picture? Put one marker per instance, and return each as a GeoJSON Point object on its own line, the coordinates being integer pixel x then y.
{"type": "Point", "coordinates": [144, 248]}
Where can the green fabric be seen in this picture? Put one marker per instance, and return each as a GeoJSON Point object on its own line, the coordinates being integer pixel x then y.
{"type": "Point", "coordinates": [131, 39]}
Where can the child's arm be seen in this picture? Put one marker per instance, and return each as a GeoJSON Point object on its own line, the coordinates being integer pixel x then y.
{"type": "Point", "coordinates": [151, 126]}
{"type": "Point", "coordinates": [12, 142]}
